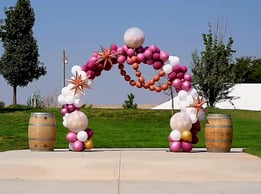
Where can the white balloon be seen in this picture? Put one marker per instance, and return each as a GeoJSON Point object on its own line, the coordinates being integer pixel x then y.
{"type": "Point", "coordinates": [65, 123]}
{"type": "Point", "coordinates": [190, 100]}
{"type": "Point", "coordinates": [90, 83]}
{"type": "Point", "coordinates": [182, 95]}
{"type": "Point", "coordinates": [77, 121]}
{"type": "Point", "coordinates": [71, 147]}
{"type": "Point", "coordinates": [193, 92]}
{"type": "Point", "coordinates": [82, 136]}
{"type": "Point", "coordinates": [167, 68]}
{"type": "Point", "coordinates": [175, 135]}
{"type": "Point", "coordinates": [66, 91]}
{"type": "Point", "coordinates": [69, 99]}
{"type": "Point", "coordinates": [134, 37]}
{"type": "Point", "coordinates": [61, 100]}
{"type": "Point", "coordinates": [76, 68]}
{"type": "Point", "coordinates": [78, 103]}
{"type": "Point", "coordinates": [183, 104]}
{"type": "Point", "coordinates": [174, 60]}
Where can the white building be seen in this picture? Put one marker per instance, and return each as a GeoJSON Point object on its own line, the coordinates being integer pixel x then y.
{"type": "Point", "coordinates": [247, 97]}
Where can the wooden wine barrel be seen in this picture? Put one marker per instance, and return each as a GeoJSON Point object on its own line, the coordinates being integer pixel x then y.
{"type": "Point", "coordinates": [218, 133]}
{"type": "Point", "coordinates": [42, 131]}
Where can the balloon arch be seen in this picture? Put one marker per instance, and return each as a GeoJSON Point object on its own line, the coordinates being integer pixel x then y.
{"type": "Point", "coordinates": [184, 125]}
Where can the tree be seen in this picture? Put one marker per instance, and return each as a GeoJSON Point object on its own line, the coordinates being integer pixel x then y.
{"type": "Point", "coordinates": [19, 63]}
{"type": "Point", "coordinates": [129, 103]}
{"type": "Point", "coordinates": [248, 70]}
{"type": "Point", "coordinates": [213, 70]}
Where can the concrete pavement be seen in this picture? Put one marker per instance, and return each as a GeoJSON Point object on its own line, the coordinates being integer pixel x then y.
{"type": "Point", "coordinates": [129, 171]}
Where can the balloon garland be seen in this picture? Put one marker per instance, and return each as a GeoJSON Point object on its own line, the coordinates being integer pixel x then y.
{"type": "Point", "coordinates": [184, 125]}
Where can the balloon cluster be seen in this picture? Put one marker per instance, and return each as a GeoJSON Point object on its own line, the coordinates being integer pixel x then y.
{"type": "Point", "coordinates": [79, 135]}
{"type": "Point", "coordinates": [185, 125]}
{"type": "Point", "coordinates": [133, 54]}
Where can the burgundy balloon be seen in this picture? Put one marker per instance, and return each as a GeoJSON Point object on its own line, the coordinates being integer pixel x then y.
{"type": "Point", "coordinates": [176, 68]}
{"type": "Point", "coordinates": [91, 65]}
{"type": "Point", "coordinates": [114, 47]}
{"type": "Point", "coordinates": [180, 75]}
{"type": "Point", "coordinates": [99, 67]}
{"type": "Point", "coordinates": [97, 73]}
{"type": "Point", "coordinates": [184, 68]}
{"type": "Point", "coordinates": [89, 132]}
{"type": "Point", "coordinates": [157, 65]}
{"type": "Point", "coordinates": [172, 76]}
{"type": "Point", "coordinates": [71, 108]}
{"type": "Point", "coordinates": [90, 74]}
{"type": "Point", "coordinates": [149, 61]}
{"type": "Point", "coordinates": [139, 49]}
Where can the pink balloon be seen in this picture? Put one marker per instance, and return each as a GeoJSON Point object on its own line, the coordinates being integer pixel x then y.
{"type": "Point", "coordinates": [121, 59]}
{"type": "Point", "coordinates": [78, 146]}
{"type": "Point", "coordinates": [149, 61]}
{"type": "Point", "coordinates": [130, 52]}
{"type": "Point", "coordinates": [177, 68]}
{"type": "Point", "coordinates": [153, 48]}
{"type": "Point", "coordinates": [176, 83]}
{"type": "Point", "coordinates": [164, 56]}
{"type": "Point", "coordinates": [186, 146]}
{"type": "Point", "coordinates": [156, 56]}
{"type": "Point", "coordinates": [71, 137]}
{"type": "Point", "coordinates": [129, 61]}
{"type": "Point", "coordinates": [140, 57]}
{"type": "Point", "coordinates": [64, 111]}
{"type": "Point", "coordinates": [114, 47]}
{"type": "Point", "coordinates": [121, 50]}
{"type": "Point", "coordinates": [175, 146]}
{"type": "Point", "coordinates": [186, 85]}
{"type": "Point", "coordinates": [148, 54]}
{"type": "Point", "coordinates": [187, 77]}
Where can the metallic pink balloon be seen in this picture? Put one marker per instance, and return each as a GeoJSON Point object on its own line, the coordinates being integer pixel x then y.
{"type": "Point", "coordinates": [71, 137]}
{"type": "Point", "coordinates": [164, 56]}
{"type": "Point", "coordinates": [176, 83]}
{"type": "Point", "coordinates": [180, 75]}
{"type": "Point", "coordinates": [156, 56]}
{"type": "Point", "coordinates": [121, 59]}
{"type": "Point", "coordinates": [175, 146]}
{"type": "Point", "coordinates": [90, 74]}
{"type": "Point", "coordinates": [130, 52]}
{"type": "Point", "coordinates": [187, 77]}
{"type": "Point", "coordinates": [140, 57]}
{"type": "Point", "coordinates": [78, 146]}
{"type": "Point", "coordinates": [64, 111]}
{"type": "Point", "coordinates": [147, 54]}
{"type": "Point", "coordinates": [186, 85]}
{"type": "Point", "coordinates": [186, 146]}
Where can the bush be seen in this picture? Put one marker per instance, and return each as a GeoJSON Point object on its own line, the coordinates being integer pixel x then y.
{"type": "Point", "coordinates": [2, 104]}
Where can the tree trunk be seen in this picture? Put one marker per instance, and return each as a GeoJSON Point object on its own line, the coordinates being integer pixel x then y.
{"type": "Point", "coordinates": [14, 95]}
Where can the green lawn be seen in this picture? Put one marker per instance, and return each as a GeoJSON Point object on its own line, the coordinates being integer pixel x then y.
{"type": "Point", "coordinates": [114, 128]}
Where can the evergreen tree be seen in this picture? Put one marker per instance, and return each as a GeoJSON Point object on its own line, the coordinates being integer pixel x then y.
{"type": "Point", "coordinates": [129, 103]}
{"type": "Point", "coordinates": [19, 63]}
{"type": "Point", "coordinates": [213, 70]}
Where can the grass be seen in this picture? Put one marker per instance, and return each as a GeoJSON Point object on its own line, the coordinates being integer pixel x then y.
{"type": "Point", "coordinates": [114, 128]}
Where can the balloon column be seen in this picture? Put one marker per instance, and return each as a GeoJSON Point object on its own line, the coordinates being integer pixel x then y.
{"type": "Point", "coordinates": [185, 125]}
{"type": "Point", "coordinates": [132, 54]}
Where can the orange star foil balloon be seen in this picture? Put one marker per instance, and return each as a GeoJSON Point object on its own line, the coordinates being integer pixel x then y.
{"type": "Point", "coordinates": [198, 104]}
{"type": "Point", "coordinates": [79, 84]}
{"type": "Point", "coordinates": [107, 56]}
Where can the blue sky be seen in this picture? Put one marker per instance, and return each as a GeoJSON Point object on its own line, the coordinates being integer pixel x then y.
{"type": "Point", "coordinates": [176, 26]}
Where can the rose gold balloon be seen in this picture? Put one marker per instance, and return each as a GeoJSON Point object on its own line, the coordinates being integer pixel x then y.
{"type": "Point", "coordinates": [138, 85]}
{"type": "Point", "coordinates": [132, 82]}
{"type": "Point", "coordinates": [135, 66]}
{"type": "Point", "coordinates": [141, 79]}
{"type": "Point", "coordinates": [138, 73]}
{"type": "Point", "coordinates": [156, 78]}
